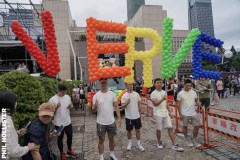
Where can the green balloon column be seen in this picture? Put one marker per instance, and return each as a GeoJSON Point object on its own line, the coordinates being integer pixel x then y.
{"type": "Point", "coordinates": [170, 65]}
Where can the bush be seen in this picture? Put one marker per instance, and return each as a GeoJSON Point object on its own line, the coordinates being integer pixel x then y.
{"type": "Point", "coordinates": [30, 94]}
{"type": "Point", "coordinates": [3, 87]}
{"type": "Point", "coordinates": [49, 85]}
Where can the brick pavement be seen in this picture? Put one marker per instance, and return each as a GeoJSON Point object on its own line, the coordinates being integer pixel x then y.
{"type": "Point", "coordinates": [148, 141]}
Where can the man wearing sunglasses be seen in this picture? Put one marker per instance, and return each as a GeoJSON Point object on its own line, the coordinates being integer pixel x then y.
{"type": "Point", "coordinates": [103, 102]}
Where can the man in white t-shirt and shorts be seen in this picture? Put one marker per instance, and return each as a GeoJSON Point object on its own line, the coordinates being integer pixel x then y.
{"type": "Point", "coordinates": [186, 101]}
{"type": "Point", "coordinates": [131, 102]}
{"type": "Point", "coordinates": [103, 102]}
{"type": "Point", "coordinates": [63, 104]}
{"type": "Point", "coordinates": [162, 114]}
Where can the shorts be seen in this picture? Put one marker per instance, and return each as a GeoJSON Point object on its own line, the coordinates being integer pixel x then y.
{"type": "Point", "coordinates": [110, 129]}
{"type": "Point", "coordinates": [194, 120]}
{"type": "Point", "coordinates": [133, 122]}
{"type": "Point", "coordinates": [163, 122]}
{"type": "Point", "coordinates": [205, 102]}
{"type": "Point", "coordinates": [82, 96]}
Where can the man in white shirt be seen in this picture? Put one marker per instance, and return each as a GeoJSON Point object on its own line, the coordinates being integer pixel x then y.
{"type": "Point", "coordinates": [62, 118]}
{"type": "Point", "coordinates": [131, 101]}
{"type": "Point", "coordinates": [162, 114]}
{"type": "Point", "coordinates": [186, 101]}
{"type": "Point", "coordinates": [103, 102]}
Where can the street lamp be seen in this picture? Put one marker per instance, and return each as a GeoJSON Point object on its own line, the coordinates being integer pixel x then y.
{"type": "Point", "coordinates": [228, 54]}
{"type": "Point", "coordinates": [225, 53]}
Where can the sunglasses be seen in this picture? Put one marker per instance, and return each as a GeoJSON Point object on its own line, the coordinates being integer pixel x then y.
{"type": "Point", "coordinates": [103, 82]}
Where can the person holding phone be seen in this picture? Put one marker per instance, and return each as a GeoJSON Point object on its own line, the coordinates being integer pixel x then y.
{"type": "Point", "coordinates": [162, 114]}
{"type": "Point", "coordinates": [131, 102]}
{"type": "Point", "coordinates": [63, 104]}
{"type": "Point", "coordinates": [103, 102]}
{"type": "Point", "coordinates": [39, 133]}
{"type": "Point", "coordinates": [8, 100]}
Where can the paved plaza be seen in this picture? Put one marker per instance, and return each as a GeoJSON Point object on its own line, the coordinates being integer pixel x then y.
{"type": "Point", "coordinates": [85, 141]}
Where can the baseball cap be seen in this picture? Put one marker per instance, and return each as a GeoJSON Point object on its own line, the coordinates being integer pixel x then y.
{"type": "Point", "coordinates": [46, 109]}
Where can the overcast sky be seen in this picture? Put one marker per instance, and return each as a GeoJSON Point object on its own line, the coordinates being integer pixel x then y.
{"type": "Point", "coordinates": [226, 14]}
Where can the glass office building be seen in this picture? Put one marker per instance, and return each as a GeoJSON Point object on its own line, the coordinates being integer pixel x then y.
{"type": "Point", "coordinates": [133, 6]}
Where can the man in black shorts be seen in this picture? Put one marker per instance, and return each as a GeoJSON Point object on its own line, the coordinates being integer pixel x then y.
{"type": "Point", "coordinates": [131, 101]}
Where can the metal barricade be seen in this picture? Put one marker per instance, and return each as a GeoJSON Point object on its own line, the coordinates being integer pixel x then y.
{"type": "Point", "coordinates": [224, 123]}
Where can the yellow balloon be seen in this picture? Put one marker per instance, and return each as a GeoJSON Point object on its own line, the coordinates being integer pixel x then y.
{"type": "Point", "coordinates": [144, 56]}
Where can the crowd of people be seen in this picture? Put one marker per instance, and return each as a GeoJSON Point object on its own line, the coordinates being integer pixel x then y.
{"type": "Point", "coordinates": [79, 95]}
{"type": "Point", "coordinates": [19, 66]}
{"type": "Point", "coordinates": [187, 93]}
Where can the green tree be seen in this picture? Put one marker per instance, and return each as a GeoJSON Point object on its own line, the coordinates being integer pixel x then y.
{"type": "Point", "coordinates": [235, 62]}
{"type": "Point", "coordinates": [3, 87]}
{"type": "Point", "coordinates": [49, 85]}
{"type": "Point", "coordinates": [209, 66]}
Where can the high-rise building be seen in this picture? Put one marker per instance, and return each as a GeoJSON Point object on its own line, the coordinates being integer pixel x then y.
{"type": "Point", "coordinates": [178, 38]}
{"type": "Point", "coordinates": [133, 6]}
{"type": "Point", "coordinates": [200, 16]}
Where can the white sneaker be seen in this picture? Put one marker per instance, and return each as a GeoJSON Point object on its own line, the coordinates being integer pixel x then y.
{"type": "Point", "coordinates": [129, 146]}
{"type": "Point", "coordinates": [140, 147]}
{"type": "Point", "coordinates": [189, 143]}
{"type": "Point", "coordinates": [113, 157]}
{"type": "Point", "coordinates": [177, 148]}
{"type": "Point", "coordinates": [196, 144]}
{"type": "Point", "coordinates": [159, 145]}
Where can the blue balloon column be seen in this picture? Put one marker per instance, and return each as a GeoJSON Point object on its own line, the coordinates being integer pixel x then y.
{"type": "Point", "coordinates": [199, 56]}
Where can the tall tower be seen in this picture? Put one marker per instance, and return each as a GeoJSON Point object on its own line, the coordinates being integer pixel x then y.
{"type": "Point", "coordinates": [133, 6]}
{"type": "Point", "coordinates": [200, 16]}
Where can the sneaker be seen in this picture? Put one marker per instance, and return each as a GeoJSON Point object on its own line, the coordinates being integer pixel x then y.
{"type": "Point", "coordinates": [160, 145]}
{"type": "Point", "coordinates": [140, 147]}
{"type": "Point", "coordinates": [113, 157]}
{"type": "Point", "coordinates": [196, 144]}
{"type": "Point", "coordinates": [189, 143]}
{"type": "Point", "coordinates": [63, 156]}
{"type": "Point", "coordinates": [71, 153]}
{"type": "Point", "coordinates": [177, 148]}
{"type": "Point", "coordinates": [129, 146]}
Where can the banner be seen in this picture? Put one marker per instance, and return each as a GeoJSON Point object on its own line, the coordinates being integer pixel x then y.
{"type": "Point", "coordinates": [223, 125]}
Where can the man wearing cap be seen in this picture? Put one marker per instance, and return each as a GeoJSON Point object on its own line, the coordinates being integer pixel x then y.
{"type": "Point", "coordinates": [63, 104]}
{"type": "Point", "coordinates": [39, 133]}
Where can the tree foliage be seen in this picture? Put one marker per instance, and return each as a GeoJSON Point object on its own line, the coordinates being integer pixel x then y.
{"type": "Point", "coordinates": [30, 94]}
{"type": "Point", "coordinates": [235, 62]}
